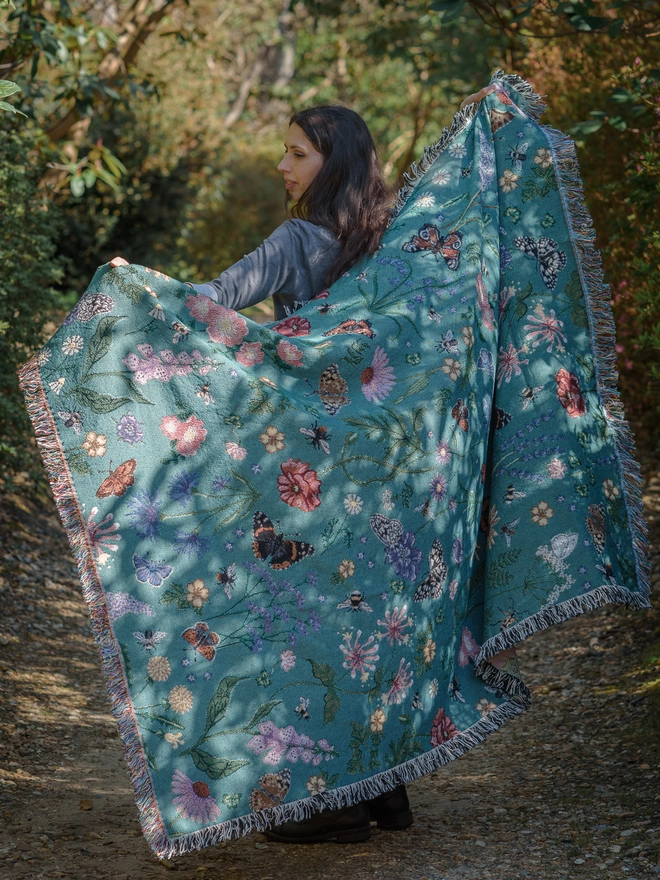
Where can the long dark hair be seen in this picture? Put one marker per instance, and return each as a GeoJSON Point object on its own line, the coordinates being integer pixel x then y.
{"type": "Point", "coordinates": [348, 195]}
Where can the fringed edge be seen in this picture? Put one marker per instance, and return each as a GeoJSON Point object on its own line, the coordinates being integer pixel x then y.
{"type": "Point", "coordinates": [603, 339]}
{"type": "Point", "coordinates": [357, 792]}
{"type": "Point", "coordinates": [554, 614]}
{"type": "Point", "coordinates": [534, 107]}
{"type": "Point", "coordinates": [74, 525]}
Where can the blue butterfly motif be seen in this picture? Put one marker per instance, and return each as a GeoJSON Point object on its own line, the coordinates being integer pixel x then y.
{"type": "Point", "coordinates": [148, 572]}
{"type": "Point", "coordinates": [485, 362]}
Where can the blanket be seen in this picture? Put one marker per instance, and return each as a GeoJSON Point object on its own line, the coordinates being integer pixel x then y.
{"type": "Point", "coordinates": [310, 548]}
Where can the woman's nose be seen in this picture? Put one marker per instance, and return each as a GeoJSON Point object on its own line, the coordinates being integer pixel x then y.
{"type": "Point", "coordinates": [284, 165]}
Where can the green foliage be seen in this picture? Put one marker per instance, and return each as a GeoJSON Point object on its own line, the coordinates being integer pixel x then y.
{"type": "Point", "coordinates": [30, 269]}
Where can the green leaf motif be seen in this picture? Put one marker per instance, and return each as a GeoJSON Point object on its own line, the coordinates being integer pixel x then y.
{"type": "Point", "coordinates": [332, 704]}
{"type": "Point", "coordinates": [99, 345]}
{"type": "Point", "coordinates": [263, 710]}
{"type": "Point", "coordinates": [573, 290]}
{"type": "Point", "coordinates": [175, 594]}
{"type": "Point", "coordinates": [220, 701]}
{"type": "Point", "coordinates": [323, 672]}
{"type": "Point", "coordinates": [78, 463]}
{"type": "Point", "coordinates": [216, 768]}
{"type": "Point", "coordinates": [98, 402]}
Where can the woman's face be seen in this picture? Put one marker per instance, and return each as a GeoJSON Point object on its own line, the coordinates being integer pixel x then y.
{"type": "Point", "coordinates": [301, 162]}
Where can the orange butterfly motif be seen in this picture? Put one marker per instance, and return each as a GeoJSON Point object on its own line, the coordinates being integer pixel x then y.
{"type": "Point", "coordinates": [202, 639]}
{"type": "Point", "coordinates": [363, 326]}
{"type": "Point", "coordinates": [274, 788]}
{"type": "Point", "coordinates": [119, 480]}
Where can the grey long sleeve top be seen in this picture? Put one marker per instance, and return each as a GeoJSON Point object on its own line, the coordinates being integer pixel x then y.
{"type": "Point", "coordinates": [291, 266]}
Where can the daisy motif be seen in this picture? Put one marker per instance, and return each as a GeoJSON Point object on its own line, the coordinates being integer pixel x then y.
{"type": "Point", "coordinates": [378, 379]}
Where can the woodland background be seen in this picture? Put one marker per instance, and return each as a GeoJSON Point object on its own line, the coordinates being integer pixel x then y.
{"type": "Point", "coordinates": [152, 130]}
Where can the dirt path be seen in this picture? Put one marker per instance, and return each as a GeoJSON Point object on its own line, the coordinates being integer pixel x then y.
{"type": "Point", "coordinates": [568, 790]}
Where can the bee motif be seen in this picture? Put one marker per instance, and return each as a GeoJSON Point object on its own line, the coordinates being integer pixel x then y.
{"type": "Point", "coordinates": [301, 709]}
{"type": "Point", "coordinates": [511, 494]}
{"type": "Point", "coordinates": [180, 331]}
{"type": "Point", "coordinates": [510, 617]}
{"type": "Point", "coordinates": [204, 394]}
{"type": "Point", "coordinates": [530, 394]}
{"type": "Point", "coordinates": [319, 437]}
{"type": "Point", "coordinates": [509, 530]}
{"type": "Point", "coordinates": [227, 576]}
{"type": "Point", "coordinates": [355, 602]}
{"type": "Point", "coordinates": [417, 702]}
{"type": "Point", "coordinates": [454, 690]}
{"type": "Point", "coordinates": [149, 639]}
{"type": "Point", "coordinates": [433, 315]}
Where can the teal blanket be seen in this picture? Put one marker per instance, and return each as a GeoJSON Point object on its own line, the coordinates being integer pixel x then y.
{"type": "Point", "coordinates": [309, 549]}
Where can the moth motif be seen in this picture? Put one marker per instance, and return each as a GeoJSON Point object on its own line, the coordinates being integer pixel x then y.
{"type": "Point", "coordinates": [596, 525]}
{"type": "Point", "coordinates": [119, 480]}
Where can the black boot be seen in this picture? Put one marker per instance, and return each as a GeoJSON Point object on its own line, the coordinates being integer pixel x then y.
{"type": "Point", "coordinates": [345, 825]}
{"type": "Point", "coordinates": [391, 811]}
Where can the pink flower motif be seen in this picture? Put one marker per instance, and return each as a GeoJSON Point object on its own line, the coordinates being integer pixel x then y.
{"type": "Point", "coordinates": [287, 660]}
{"type": "Point", "coordinates": [509, 364]}
{"type": "Point", "coordinates": [299, 485]}
{"type": "Point", "coordinates": [235, 451]}
{"type": "Point", "coordinates": [193, 799]}
{"type": "Point", "coordinates": [469, 648]}
{"type": "Point", "coordinates": [394, 624]}
{"type": "Point", "coordinates": [569, 395]}
{"type": "Point", "coordinates": [545, 328]}
{"type": "Point", "coordinates": [222, 324]}
{"type": "Point", "coordinates": [442, 729]}
{"type": "Point", "coordinates": [378, 379]}
{"type": "Point", "coordinates": [102, 536]}
{"type": "Point", "coordinates": [290, 353]}
{"type": "Point", "coordinates": [250, 353]}
{"type": "Point", "coordinates": [200, 306]}
{"type": "Point", "coordinates": [556, 469]}
{"type": "Point", "coordinates": [359, 657]}
{"type": "Point", "coordinates": [293, 326]}
{"type": "Point", "coordinates": [189, 435]}
{"type": "Point", "coordinates": [400, 684]}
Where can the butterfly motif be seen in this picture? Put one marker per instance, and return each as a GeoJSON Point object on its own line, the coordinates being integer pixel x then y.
{"type": "Point", "coordinates": [518, 155]}
{"type": "Point", "coordinates": [549, 259]}
{"type": "Point", "coordinates": [509, 530]}
{"type": "Point", "coordinates": [454, 690]}
{"type": "Point", "coordinates": [499, 118]}
{"type": "Point", "coordinates": [485, 362]}
{"type": "Point", "coordinates": [350, 325]}
{"type": "Point", "coordinates": [487, 313]}
{"type": "Point", "coordinates": [389, 531]}
{"type": "Point", "coordinates": [431, 586]}
{"type": "Point", "coordinates": [274, 787]}
{"type": "Point", "coordinates": [119, 480]}
{"type": "Point", "coordinates": [355, 602]}
{"type": "Point", "coordinates": [149, 639]}
{"type": "Point", "coordinates": [596, 525]}
{"type": "Point", "coordinates": [318, 435]}
{"type": "Point", "coordinates": [430, 239]}
{"type": "Point", "coordinates": [529, 395]}
{"type": "Point", "coordinates": [148, 572]}
{"type": "Point", "coordinates": [461, 414]}
{"type": "Point", "coordinates": [227, 576]}
{"type": "Point", "coordinates": [332, 390]}
{"type": "Point", "coordinates": [563, 545]}
{"type": "Point", "coordinates": [71, 420]}
{"type": "Point", "coordinates": [502, 418]}
{"type": "Point", "coordinates": [449, 343]}
{"type": "Point", "coordinates": [202, 639]}
{"type": "Point", "coordinates": [283, 552]}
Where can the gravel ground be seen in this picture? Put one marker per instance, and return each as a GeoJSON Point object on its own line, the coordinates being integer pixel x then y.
{"type": "Point", "coordinates": [567, 790]}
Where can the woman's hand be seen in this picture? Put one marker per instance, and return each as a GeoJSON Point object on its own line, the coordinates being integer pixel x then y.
{"type": "Point", "coordinates": [118, 261]}
{"type": "Point", "coordinates": [478, 96]}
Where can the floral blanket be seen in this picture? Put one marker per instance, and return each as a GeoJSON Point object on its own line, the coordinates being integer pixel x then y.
{"type": "Point", "coordinates": [310, 548]}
